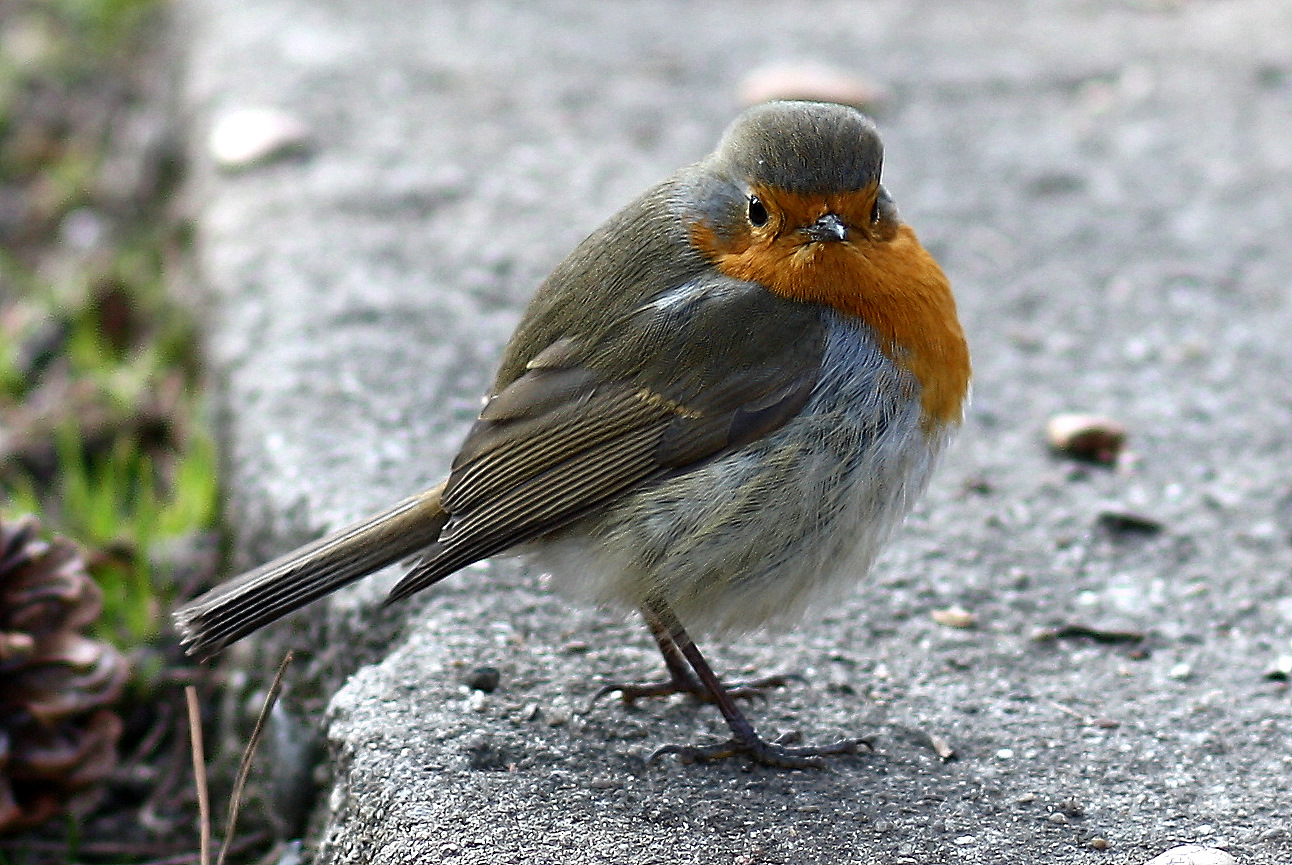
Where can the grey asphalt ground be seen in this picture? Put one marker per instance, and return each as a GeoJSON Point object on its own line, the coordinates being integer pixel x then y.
{"type": "Point", "coordinates": [1109, 187]}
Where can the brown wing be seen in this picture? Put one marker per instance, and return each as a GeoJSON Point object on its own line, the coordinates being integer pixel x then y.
{"type": "Point", "coordinates": [698, 372]}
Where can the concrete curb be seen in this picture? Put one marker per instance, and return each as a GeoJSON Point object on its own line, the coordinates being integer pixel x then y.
{"type": "Point", "coordinates": [1108, 187]}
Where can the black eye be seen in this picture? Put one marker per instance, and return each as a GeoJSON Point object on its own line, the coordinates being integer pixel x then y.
{"type": "Point", "coordinates": [874, 213]}
{"type": "Point", "coordinates": [757, 212]}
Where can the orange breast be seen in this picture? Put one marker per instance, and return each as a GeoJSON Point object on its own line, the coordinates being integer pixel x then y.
{"type": "Point", "coordinates": [892, 284]}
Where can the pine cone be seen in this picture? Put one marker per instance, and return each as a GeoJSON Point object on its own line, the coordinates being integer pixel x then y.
{"type": "Point", "coordinates": [58, 735]}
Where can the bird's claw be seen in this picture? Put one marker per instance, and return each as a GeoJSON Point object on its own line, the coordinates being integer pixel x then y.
{"type": "Point", "coordinates": [764, 753]}
{"type": "Point", "coordinates": [630, 693]}
{"type": "Point", "coordinates": [758, 688]}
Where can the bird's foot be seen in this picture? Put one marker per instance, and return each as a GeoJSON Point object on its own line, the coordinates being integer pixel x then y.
{"type": "Point", "coordinates": [764, 753]}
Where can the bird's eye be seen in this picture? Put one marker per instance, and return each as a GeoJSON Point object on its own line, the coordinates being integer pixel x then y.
{"type": "Point", "coordinates": [757, 211]}
{"type": "Point", "coordinates": [875, 213]}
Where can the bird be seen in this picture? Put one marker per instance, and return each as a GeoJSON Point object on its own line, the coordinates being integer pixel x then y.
{"type": "Point", "coordinates": [715, 411]}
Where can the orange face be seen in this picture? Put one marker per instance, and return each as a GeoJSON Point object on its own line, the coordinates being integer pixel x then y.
{"type": "Point", "coordinates": [877, 270]}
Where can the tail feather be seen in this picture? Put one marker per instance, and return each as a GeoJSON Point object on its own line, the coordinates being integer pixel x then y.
{"type": "Point", "coordinates": [230, 611]}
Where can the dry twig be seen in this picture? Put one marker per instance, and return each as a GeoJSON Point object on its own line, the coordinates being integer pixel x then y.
{"type": "Point", "coordinates": [244, 768]}
{"type": "Point", "coordinates": [199, 774]}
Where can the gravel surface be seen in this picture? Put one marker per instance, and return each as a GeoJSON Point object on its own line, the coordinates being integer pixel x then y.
{"type": "Point", "coordinates": [1109, 187]}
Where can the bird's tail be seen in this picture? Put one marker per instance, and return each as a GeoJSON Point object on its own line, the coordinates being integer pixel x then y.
{"type": "Point", "coordinates": [229, 612]}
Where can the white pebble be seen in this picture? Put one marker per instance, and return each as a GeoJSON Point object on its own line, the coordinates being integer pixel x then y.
{"type": "Point", "coordinates": [1193, 854]}
{"type": "Point", "coordinates": [246, 137]}
{"type": "Point", "coordinates": [811, 81]}
{"type": "Point", "coordinates": [955, 617]}
{"type": "Point", "coordinates": [1086, 436]}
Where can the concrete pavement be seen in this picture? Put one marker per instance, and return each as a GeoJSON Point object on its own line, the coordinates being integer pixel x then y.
{"type": "Point", "coordinates": [1108, 185]}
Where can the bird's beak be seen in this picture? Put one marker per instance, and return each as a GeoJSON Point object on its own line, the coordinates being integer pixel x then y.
{"type": "Point", "coordinates": [827, 229]}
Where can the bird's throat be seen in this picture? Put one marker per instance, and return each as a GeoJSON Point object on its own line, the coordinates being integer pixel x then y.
{"type": "Point", "coordinates": [893, 285]}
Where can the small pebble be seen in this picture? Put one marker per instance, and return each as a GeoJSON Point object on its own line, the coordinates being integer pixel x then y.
{"type": "Point", "coordinates": [1282, 669]}
{"type": "Point", "coordinates": [1058, 818]}
{"type": "Point", "coordinates": [1125, 523]}
{"type": "Point", "coordinates": [483, 679]}
{"type": "Point", "coordinates": [811, 81]}
{"type": "Point", "coordinates": [477, 701]}
{"type": "Point", "coordinates": [955, 617]}
{"type": "Point", "coordinates": [557, 715]}
{"type": "Point", "coordinates": [941, 746]}
{"type": "Point", "coordinates": [1099, 843]}
{"type": "Point", "coordinates": [1180, 672]}
{"type": "Point", "coordinates": [247, 137]}
{"type": "Point", "coordinates": [1193, 854]}
{"type": "Point", "coordinates": [1005, 754]}
{"type": "Point", "coordinates": [1086, 437]}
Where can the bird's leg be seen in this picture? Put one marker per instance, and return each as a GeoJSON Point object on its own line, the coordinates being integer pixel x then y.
{"type": "Point", "coordinates": [680, 678]}
{"type": "Point", "coordinates": [744, 741]}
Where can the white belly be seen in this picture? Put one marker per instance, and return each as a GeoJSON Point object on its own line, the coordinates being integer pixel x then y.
{"type": "Point", "coordinates": [753, 537]}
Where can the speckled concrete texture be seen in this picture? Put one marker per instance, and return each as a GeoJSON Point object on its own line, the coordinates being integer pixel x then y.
{"type": "Point", "coordinates": [1109, 187]}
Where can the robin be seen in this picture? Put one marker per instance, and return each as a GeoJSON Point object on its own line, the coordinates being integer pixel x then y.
{"type": "Point", "coordinates": [716, 409]}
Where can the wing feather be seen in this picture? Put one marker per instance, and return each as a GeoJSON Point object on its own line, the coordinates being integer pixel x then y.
{"type": "Point", "coordinates": [680, 380]}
